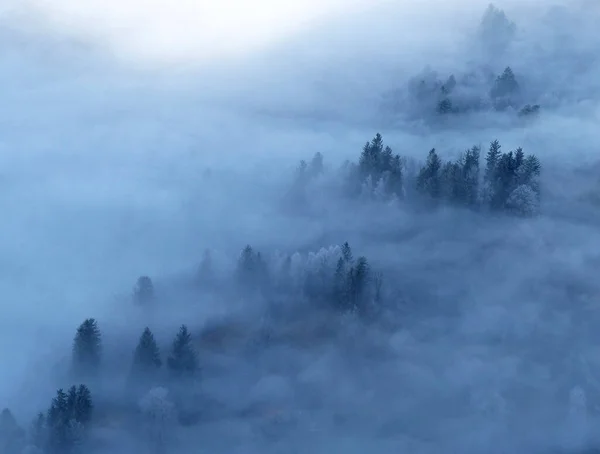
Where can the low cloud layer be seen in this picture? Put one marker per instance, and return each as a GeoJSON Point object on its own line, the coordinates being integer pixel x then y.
{"type": "Point", "coordinates": [475, 330]}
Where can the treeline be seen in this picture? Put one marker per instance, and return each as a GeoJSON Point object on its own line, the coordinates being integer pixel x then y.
{"type": "Point", "coordinates": [499, 181]}
{"type": "Point", "coordinates": [330, 278]}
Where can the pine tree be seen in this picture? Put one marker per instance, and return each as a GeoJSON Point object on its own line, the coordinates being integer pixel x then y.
{"type": "Point", "coordinates": [505, 86]}
{"type": "Point", "coordinates": [183, 361]}
{"type": "Point", "coordinates": [58, 424]}
{"type": "Point", "coordinates": [347, 252]}
{"type": "Point", "coordinates": [339, 283]}
{"type": "Point", "coordinates": [146, 358]}
{"type": "Point", "coordinates": [205, 270]}
{"type": "Point", "coordinates": [143, 292]}
{"type": "Point", "coordinates": [316, 165]}
{"type": "Point", "coordinates": [87, 347]}
{"type": "Point", "coordinates": [39, 431]}
{"type": "Point", "coordinates": [71, 401]}
{"type": "Point", "coordinates": [491, 160]}
{"type": "Point", "coordinates": [470, 170]}
{"type": "Point", "coordinates": [428, 179]}
{"type": "Point", "coordinates": [358, 277]}
{"type": "Point", "coordinates": [83, 405]}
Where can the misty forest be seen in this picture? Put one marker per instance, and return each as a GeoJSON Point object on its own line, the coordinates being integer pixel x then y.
{"type": "Point", "coordinates": [350, 241]}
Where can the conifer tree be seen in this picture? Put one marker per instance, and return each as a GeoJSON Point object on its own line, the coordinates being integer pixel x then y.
{"type": "Point", "coordinates": [316, 165]}
{"type": "Point", "coordinates": [470, 170]}
{"type": "Point", "coordinates": [83, 405]}
{"type": "Point", "coordinates": [39, 431]}
{"type": "Point", "coordinates": [87, 347]}
{"type": "Point", "coordinates": [428, 180]}
{"type": "Point", "coordinates": [58, 424]}
{"type": "Point", "coordinates": [340, 293]}
{"type": "Point", "coordinates": [205, 270]}
{"type": "Point", "coordinates": [146, 358]}
{"type": "Point", "coordinates": [143, 292]}
{"type": "Point", "coordinates": [347, 252]}
{"type": "Point", "coordinates": [358, 277]}
{"type": "Point", "coordinates": [491, 159]}
{"type": "Point", "coordinates": [183, 361]}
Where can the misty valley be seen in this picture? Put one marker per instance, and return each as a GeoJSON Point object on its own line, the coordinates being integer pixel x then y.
{"type": "Point", "coordinates": [411, 268]}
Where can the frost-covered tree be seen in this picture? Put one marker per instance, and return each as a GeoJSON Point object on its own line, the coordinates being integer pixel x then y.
{"type": "Point", "coordinates": [183, 360]}
{"type": "Point", "coordinates": [523, 201]}
{"type": "Point", "coordinates": [143, 292]}
{"type": "Point", "coordinates": [347, 253]}
{"type": "Point", "coordinates": [87, 347]}
{"type": "Point", "coordinates": [159, 418]}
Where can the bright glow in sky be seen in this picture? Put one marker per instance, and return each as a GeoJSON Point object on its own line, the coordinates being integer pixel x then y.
{"type": "Point", "coordinates": [184, 28]}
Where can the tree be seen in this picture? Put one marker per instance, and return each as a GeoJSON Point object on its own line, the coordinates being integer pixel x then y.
{"type": "Point", "coordinates": [428, 179]}
{"type": "Point", "coordinates": [87, 347]}
{"type": "Point", "coordinates": [12, 437]}
{"type": "Point", "coordinates": [470, 173]}
{"type": "Point", "coordinates": [340, 293]}
{"type": "Point", "coordinates": [316, 165]}
{"type": "Point", "coordinates": [347, 252]}
{"type": "Point", "coordinates": [146, 357]}
{"type": "Point", "coordinates": [83, 408]}
{"type": "Point", "coordinates": [205, 270]}
{"type": "Point", "coordinates": [251, 269]}
{"type": "Point", "coordinates": [523, 201]}
{"type": "Point", "coordinates": [504, 88]}
{"type": "Point", "coordinates": [183, 361]}
{"type": "Point", "coordinates": [358, 277]}
{"type": "Point", "coordinates": [159, 416]}
{"type": "Point", "coordinates": [491, 160]}
{"type": "Point", "coordinates": [39, 434]}
{"type": "Point", "coordinates": [57, 422]}
{"type": "Point", "coordinates": [143, 292]}
{"type": "Point", "coordinates": [496, 31]}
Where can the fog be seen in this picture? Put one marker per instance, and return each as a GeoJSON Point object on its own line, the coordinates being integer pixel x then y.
{"type": "Point", "coordinates": [140, 140]}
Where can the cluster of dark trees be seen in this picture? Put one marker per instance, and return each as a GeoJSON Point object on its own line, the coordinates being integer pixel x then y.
{"type": "Point", "coordinates": [336, 280]}
{"type": "Point", "coordinates": [508, 181]}
{"type": "Point", "coordinates": [480, 89]}
{"type": "Point", "coordinates": [474, 91]}
{"type": "Point", "coordinates": [64, 426]}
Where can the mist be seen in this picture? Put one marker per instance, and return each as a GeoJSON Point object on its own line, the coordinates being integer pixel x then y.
{"type": "Point", "coordinates": [206, 167]}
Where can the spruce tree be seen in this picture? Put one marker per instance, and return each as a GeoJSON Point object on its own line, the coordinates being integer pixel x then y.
{"type": "Point", "coordinates": [429, 178]}
{"type": "Point", "coordinates": [340, 292]}
{"type": "Point", "coordinates": [470, 172]}
{"type": "Point", "coordinates": [358, 277]}
{"type": "Point", "coordinates": [491, 161]}
{"type": "Point", "coordinates": [39, 431]}
{"type": "Point", "coordinates": [87, 347]}
{"type": "Point", "coordinates": [83, 405]}
{"type": "Point", "coordinates": [143, 292]}
{"type": "Point", "coordinates": [183, 361]}
{"type": "Point", "coordinates": [146, 358]}
{"type": "Point", "coordinates": [57, 421]}
{"type": "Point", "coordinates": [347, 252]}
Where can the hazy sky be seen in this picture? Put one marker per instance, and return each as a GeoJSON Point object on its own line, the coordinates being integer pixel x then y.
{"type": "Point", "coordinates": [175, 29]}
